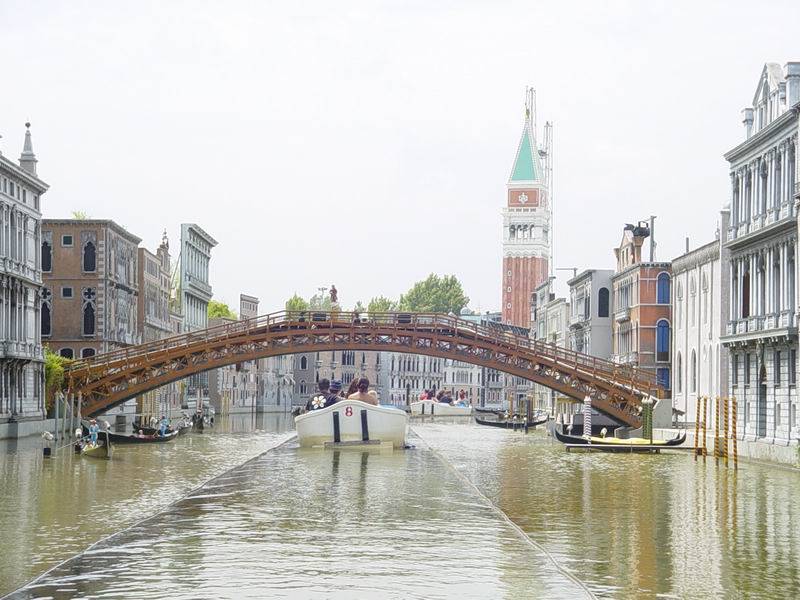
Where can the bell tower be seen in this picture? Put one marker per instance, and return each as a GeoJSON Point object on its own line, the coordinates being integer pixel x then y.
{"type": "Point", "coordinates": [527, 220]}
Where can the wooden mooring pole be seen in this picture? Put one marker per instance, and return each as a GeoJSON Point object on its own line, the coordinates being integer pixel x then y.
{"type": "Point", "coordinates": [697, 428]}
{"type": "Point", "coordinates": [734, 410]}
{"type": "Point", "coordinates": [725, 428]}
{"type": "Point", "coordinates": [705, 427]}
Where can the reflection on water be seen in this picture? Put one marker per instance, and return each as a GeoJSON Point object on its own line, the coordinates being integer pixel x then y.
{"type": "Point", "coordinates": [640, 525]}
{"type": "Point", "coordinates": [295, 523]}
{"type": "Point", "coordinates": [298, 523]}
{"type": "Point", "coordinates": [58, 506]}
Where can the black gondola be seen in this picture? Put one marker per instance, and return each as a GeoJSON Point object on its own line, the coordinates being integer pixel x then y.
{"type": "Point", "coordinates": [623, 445]}
{"type": "Point", "coordinates": [490, 411]}
{"type": "Point", "coordinates": [514, 425]}
{"type": "Point", "coordinates": [138, 427]}
{"type": "Point", "coordinates": [121, 438]}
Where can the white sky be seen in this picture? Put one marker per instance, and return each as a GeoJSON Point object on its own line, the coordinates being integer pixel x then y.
{"type": "Point", "coordinates": [340, 142]}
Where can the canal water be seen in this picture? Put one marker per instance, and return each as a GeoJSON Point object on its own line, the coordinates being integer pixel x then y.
{"type": "Point", "coordinates": [469, 512]}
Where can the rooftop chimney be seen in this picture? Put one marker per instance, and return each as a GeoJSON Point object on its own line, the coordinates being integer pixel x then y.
{"type": "Point", "coordinates": [792, 83]}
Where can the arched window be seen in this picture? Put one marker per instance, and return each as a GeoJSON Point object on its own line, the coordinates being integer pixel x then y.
{"type": "Point", "coordinates": [89, 258]}
{"type": "Point", "coordinates": [678, 373]}
{"type": "Point", "coordinates": [46, 330]}
{"type": "Point", "coordinates": [47, 257]}
{"type": "Point", "coordinates": [693, 372]}
{"type": "Point", "coordinates": [303, 389]}
{"type": "Point", "coordinates": [662, 288]}
{"type": "Point", "coordinates": [303, 363]}
{"type": "Point", "coordinates": [87, 352]}
{"type": "Point", "coordinates": [88, 319]}
{"type": "Point", "coordinates": [602, 302]}
{"type": "Point", "coordinates": [67, 353]}
{"type": "Point", "coordinates": [662, 341]}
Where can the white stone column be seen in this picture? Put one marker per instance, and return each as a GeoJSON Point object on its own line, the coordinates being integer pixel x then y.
{"type": "Point", "coordinates": [783, 276]}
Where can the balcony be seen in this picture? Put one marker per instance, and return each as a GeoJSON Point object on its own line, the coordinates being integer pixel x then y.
{"type": "Point", "coordinates": [782, 323]}
{"type": "Point", "coordinates": [626, 358]}
{"type": "Point", "coordinates": [21, 350]}
{"type": "Point", "coordinates": [578, 320]}
{"type": "Point", "coordinates": [622, 314]}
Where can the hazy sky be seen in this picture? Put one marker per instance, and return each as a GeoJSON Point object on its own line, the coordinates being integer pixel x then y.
{"type": "Point", "coordinates": [369, 144]}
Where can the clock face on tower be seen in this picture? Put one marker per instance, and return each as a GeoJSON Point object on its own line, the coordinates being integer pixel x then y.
{"type": "Point", "coordinates": [523, 198]}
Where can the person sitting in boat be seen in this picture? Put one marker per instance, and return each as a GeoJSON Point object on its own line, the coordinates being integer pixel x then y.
{"type": "Point", "coordinates": [320, 400]}
{"type": "Point", "coordinates": [93, 430]}
{"type": "Point", "coordinates": [335, 392]}
{"type": "Point", "coordinates": [462, 398]}
{"type": "Point", "coordinates": [423, 395]}
{"type": "Point", "coordinates": [163, 426]}
{"type": "Point", "coordinates": [350, 390]}
{"type": "Point", "coordinates": [364, 394]}
{"type": "Point", "coordinates": [447, 397]}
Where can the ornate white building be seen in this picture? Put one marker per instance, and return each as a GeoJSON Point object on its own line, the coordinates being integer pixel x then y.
{"type": "Point", "coordinates": [700, 288]}
{"type": "Point", "coordinates": [761, 333]}
{"type": "Point", "coordinates": [21, 361]}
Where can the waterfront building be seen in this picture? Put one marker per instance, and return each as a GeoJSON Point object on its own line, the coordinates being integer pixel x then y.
{"type": "Point", "coordinates": [590, 312]}
{"type": "Point", "coordinates": [195, 292]}
{"type": "Point", "coordinates": [642, 324]}
{"type": "Point", "coordinates": [22, 405]}
{"type": "Point", "coordinates": [700, 288]}
{"type": "Point", "coordinates": [761, 334]}
{"type": "Point", "coordinates": [153, 319]}
{"type": "Point", "coordinates": [91, 290]}
{"type": "Point", "coordinates": [550, 325]}
{"type": "Point", "coordinates": [526, 222]}
{"type": "Point", "coordinates": [409, 375]}
{"type": "Point", "coordinates": [463, 376]}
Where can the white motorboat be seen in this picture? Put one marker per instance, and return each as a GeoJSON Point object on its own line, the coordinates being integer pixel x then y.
{"type": "Point", "coordinates": [350, 422]}
{"type": "Point", "coordinates": [429, 407]}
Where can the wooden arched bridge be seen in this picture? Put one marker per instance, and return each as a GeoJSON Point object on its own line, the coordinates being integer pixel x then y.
{"type": "Point", "coordinates": [106, 380]}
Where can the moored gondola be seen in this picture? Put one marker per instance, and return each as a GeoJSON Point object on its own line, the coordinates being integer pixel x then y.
{"type": "Point", "coordinates": [511, 424]}
{"type": "Point", "coordinates": [616, 443]}
{"type": "Point", "coordinates": [119, 438]}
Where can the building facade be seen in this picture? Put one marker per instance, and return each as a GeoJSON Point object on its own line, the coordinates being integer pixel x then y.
{"type": "Point", "coordinates": [700, 288]}
{"type": "Point", "coordinates": [154, 322]}
{"type": "Point", "coordinates": [761, 333]}
{"type": "Point", "coordinates": [526, 224]}
{"type": "Point", "coordinates": [92, 286]}
{"type": "Point", "coordinates": [22, 402]}
{"type": "Point", "coordinates": [641, 300]}
{"type": "Point", "coordinates": [195, 293]}
{"type": "Point", "coordinates": [590, 312]}
{"type": "Point", "coordinates": [549, 325]}
{"type": "Point", "coordinates": [91, 291]}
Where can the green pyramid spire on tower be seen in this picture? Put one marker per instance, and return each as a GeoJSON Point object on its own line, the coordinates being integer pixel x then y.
{"type": "Point", "coordinates": [525, 166]}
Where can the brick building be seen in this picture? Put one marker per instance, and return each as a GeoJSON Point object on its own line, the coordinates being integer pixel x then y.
{"type": "Point", "coordinates": [641, 329]}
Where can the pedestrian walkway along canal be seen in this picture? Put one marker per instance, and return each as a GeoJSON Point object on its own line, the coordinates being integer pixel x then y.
{"type": "Point", "coordinates": [442, 520]}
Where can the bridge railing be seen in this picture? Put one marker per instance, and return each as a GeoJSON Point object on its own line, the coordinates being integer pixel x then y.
{"type": "Point", "coordinates": [391, 322]}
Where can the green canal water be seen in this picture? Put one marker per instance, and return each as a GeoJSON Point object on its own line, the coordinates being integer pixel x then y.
{"type": "Point", "coordinates": [469, 512]}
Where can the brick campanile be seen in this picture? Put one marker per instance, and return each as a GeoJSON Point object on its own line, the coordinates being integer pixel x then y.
{"type": "Point", "coordinates": [526, 229]}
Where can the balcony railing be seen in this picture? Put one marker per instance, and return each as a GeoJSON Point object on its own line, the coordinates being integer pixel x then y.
{"type": "Point", "coordinates": [783, 320]}
{"type": "Point", "coordinates": [622, 314]}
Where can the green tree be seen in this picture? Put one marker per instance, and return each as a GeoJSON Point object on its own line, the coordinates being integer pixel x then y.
{"type": "Point", "coordinates": [359, 307]}
{"type": "Point", "coordinates": [320, 302]}
{"type": "Point", "coordinates": [435, 294]}
{"type": "Point", "coordinates": [381, 304]}
{"type": "Point", "coordinates": [80, 215]}
{"type": "Point", "coordinates": [54, 366]}
{"type": "Point", "coordinates": [296, 303]}
{"type": "Point", "coordinates": [217, 309]}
